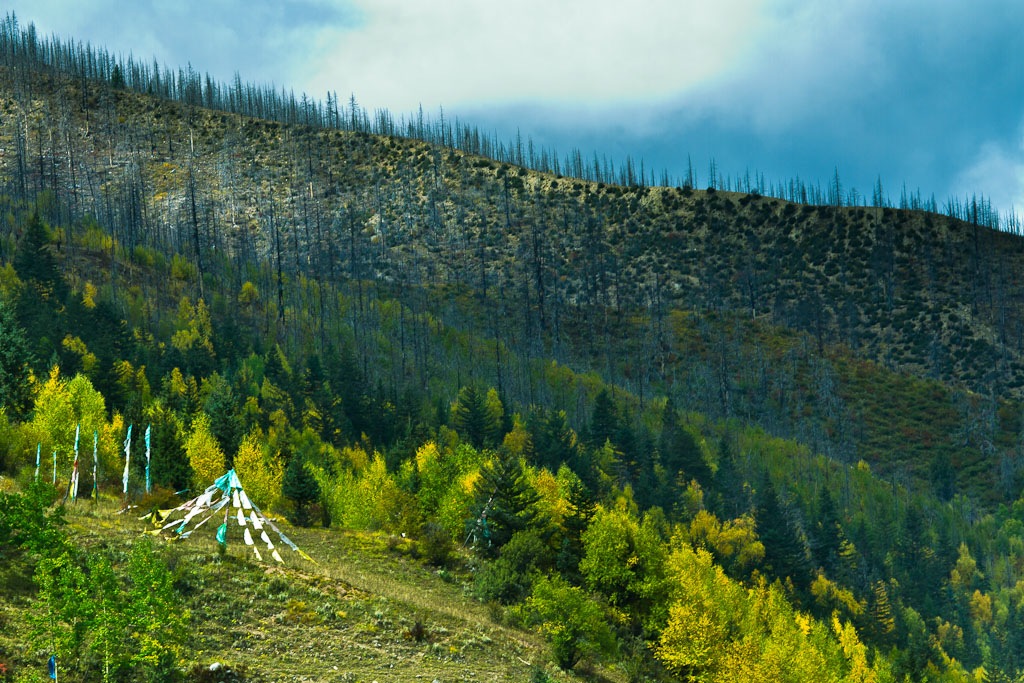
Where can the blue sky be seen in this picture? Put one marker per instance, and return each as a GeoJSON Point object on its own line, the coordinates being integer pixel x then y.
{"type": "Point", "coordinates": [930, 94]}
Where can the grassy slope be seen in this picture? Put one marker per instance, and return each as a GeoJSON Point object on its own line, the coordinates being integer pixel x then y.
{"type": "Point", "coordinates": [349, 617]}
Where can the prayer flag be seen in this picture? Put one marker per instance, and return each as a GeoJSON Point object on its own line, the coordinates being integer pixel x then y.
{"type": "Point", "coordinates": [95, 464]}
{"type": "Point", "coordinates": [73, 489]}
{"type": "Point", "coordinates": [147, 458]}
{"type": "Point", "coordinates": [127, 457]}
{"type": "Point", "coordinates": [51, 667]}
{"type": "Point", "coordinates": [39, 450]}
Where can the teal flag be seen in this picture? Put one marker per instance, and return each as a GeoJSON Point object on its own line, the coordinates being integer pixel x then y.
{"type": "Point", "coordinates": [222, 534]}
{"type": "Point", "coordinates": [147, 458]}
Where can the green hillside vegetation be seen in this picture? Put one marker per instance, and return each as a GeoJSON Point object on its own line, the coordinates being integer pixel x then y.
{"type": "Point", "coordinates": [529, 426]}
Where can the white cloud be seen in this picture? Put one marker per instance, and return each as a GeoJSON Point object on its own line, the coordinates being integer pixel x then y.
{"type": "Point", "coordinates": [997, 172]}
{"type": "Point", "coordinates": [467, 52]}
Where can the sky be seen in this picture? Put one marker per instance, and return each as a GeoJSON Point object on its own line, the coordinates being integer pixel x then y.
{"type": "Point", "coordinates": [923, 94]}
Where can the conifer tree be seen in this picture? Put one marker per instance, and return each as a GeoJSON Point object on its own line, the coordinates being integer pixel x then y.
{"type": "Point", "coordinates": [785, 551]}
{"type": "Point", "coordinates": [15, 361]}
{"type": "Point", "coordinates": [827, 538]}
{"type": "Point", "coordinates": [504, 503]}
{"type": "Point", "coordinates": [301, 488]}
{"type": "Point", "coordinates": [604, 421]}
{"type": "Point", "coordinates": [474, 421]}
{"type": "Point", "coordinates": [680, 452]}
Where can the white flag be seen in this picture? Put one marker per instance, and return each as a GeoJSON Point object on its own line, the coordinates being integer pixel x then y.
{"type": "Point", "coordinates": [127, 458]}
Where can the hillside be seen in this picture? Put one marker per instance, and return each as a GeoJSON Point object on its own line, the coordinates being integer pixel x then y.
{"type": "Point", "coordinates": [641, 433]}
{"type": "Point", "coordinates": [367, 610]}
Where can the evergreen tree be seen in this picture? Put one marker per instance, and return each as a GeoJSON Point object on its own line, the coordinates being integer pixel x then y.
{"type": "Point", "coordinates": [473, 419]}
{"type": "Point", "coordinates": [301, 488]}
{"type": "Point", "coordinates": [170, 466]}
{"type": "Point", "coordinates": [554, 442]}
{"type": "Point", "coordinates": [679, 449]}
{"type": "Point", "coordinates": [43, 293]}
{"type": "Point", "coordinates": [15, 361]}
{"type": "Point", "coordinates": [504, 503]}
{"type": "Point", "coordinates": [785, 551]}
{"type": "Point", "coordinates": [581, 509]}
{"type": "Point", "coordinates": [730, 497]}
{"type": "Point", "coordinates": [221, 406]}
{"type": "Point", "coordinates": [828, 537]}
{"type": "Point", "coordinates": [604, 421]}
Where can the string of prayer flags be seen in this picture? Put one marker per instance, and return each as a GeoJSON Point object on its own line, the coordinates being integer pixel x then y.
{"type": "Point", "coordinates": [226, 494]}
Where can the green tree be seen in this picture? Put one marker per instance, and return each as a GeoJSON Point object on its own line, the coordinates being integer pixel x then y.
{"type": "Point", "coordinates": [681, 455]}
{"type": "Point", "coordinates": [827, 537]}
{"type": "Point", "coordinates": [554, 441]}
{"type": "Point", "coordinates": [504, 503]}
{"type": "Point", "coordinates": [520, 561]}
{"type": "Point", "coordinates": [571, 622]}
{"type": "Point", "coordinates": [43, 291]}
{"type": "Point", "coordinates": [170, 466]}
{"type": "Point", "coordinates": [604, 421]}
{"type": "Point", "coordinates": [623, 559]}
{"type": "Point", "coordinates": [155, 621]}
{"type": "Point", "coordinates": [220, 404]}
{"type": "Point", "coordinates": [577, 518]}
{"type": "Point", "coordinates": [476, 419]}
{"type": "Point", "coordinates": [27, 523]}
{"type": "Point", "coordinates": [786, 554]}
{"type": "Point", "coordinates": [15, 366]}
{"type": "Point", "coordinates": [300, 487]}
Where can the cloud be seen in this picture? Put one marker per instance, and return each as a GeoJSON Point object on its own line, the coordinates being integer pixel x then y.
{"type": "Point", "coordinates": [266, 42]}
{"type": "Point", "coordinates": [997, 171]}
{"type": "Point", "coordinates": [467, 52]}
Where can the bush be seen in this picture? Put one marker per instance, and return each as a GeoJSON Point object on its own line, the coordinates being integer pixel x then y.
{"type": "Point", "coordinates": [436, 545]}
{"type": "Point", "coordinates": [571, 622]}
{"type": "Point", "coordinates": [27, 524]}
{"type": "Point", "coordinates": [509, 578]}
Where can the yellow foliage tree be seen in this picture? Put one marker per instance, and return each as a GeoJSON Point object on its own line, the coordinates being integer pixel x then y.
{"type": "Point", "coordinates": [203, 453]}
{"type": "Point", "coordinates": [261, 473]}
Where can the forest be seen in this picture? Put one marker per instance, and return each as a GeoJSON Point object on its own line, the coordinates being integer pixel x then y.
{"type": "Point", "coordinates": [732, 433]}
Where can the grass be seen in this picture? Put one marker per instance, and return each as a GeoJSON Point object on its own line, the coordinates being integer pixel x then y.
{"type": "Point", "coordinates": [368, 609]}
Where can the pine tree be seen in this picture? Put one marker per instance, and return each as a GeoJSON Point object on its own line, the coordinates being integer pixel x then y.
{"type": "Point", "coordinates": [827, 539]}
{"type": "Point", "coordinates": [474, 421]}
{"type": "Point", "coordinates": [581, 510]}
{"type": "Point", "coordinates": [680, 452]}
{"type": "Point", "coordinates": [301, 488]}
{"type": "Point", "coordinates": [15, 361]}
{"type": "Point", "coordinates": [504, 503]}
{"type": "Point", "coordinates": [554, 442]}
{"type": "Point", "coordinates": [785, 551]}
{"type": "Point", "coordinates": [604, 421]}
{"type": "Point", "coordinates": [39, 301]}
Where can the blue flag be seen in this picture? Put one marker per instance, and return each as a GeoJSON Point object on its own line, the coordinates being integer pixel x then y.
{"type": "Point", "coordinates": [147, 458]}
{"type": "Point", "coordinates": [52, 667]}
